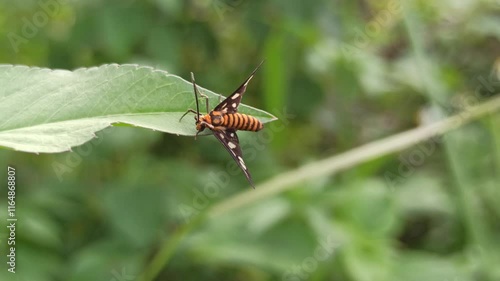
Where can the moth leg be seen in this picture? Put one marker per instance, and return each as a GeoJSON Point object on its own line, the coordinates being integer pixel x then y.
{"type": "Point", "coordinates": [219, 128]}
{"type": "Point", "coordinates": [188, 111]}
{"type": "Point", "coordinates": [206, 101]}
{"type": "Point", "coordinates": [195, 136]}
{"type": "Point", "coordinates": [210, 126]}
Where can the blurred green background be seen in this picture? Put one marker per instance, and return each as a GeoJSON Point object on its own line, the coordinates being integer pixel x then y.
{"type": "Point", "coordinates": [338, 74]}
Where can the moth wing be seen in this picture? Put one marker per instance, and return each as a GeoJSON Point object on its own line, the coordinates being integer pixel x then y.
{"type": "Point", "coordinates": [230, 141]}
{"type": "Point", "coordinates": [231, 103]}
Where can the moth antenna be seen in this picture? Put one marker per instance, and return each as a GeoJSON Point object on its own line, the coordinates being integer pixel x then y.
{"type": "Point", "coordinates": [257, 68]}
{"type": "Point", "coordinates": [196, 97]}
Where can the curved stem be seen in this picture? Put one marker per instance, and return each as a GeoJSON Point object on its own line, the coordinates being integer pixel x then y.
{"type": "Point", "coordinates": [328, 166]}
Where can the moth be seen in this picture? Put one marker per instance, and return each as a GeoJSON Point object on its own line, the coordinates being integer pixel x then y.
{"type": "Point", "coordinates": [224, 120]}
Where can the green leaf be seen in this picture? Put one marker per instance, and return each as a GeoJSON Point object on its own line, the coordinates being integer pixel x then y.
{"type": "Point", "coordinates": [43, 110]}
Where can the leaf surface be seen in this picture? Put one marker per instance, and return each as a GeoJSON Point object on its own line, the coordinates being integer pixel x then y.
{"type": "Point", "coordinates": [44, 110]}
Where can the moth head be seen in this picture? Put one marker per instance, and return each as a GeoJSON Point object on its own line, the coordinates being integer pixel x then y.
{"type": "Point", "coordinates": [201, 121]}
{"type": "Point", "coordinates": [200, 126]}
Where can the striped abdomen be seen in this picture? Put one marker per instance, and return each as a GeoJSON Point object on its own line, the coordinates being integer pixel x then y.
{"type": "Point", "coordinates": [239, 121]}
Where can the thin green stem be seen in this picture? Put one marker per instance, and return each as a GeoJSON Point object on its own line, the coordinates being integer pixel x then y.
{"type": "Point", "coordinates": [167, 250]}
{"type": "Point", "coordinates": [357, 156]}
{"type": "Point", "coordinates": [328, 166]}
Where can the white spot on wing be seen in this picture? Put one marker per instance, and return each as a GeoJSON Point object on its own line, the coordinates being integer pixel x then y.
{"type": "Point", "coordinates": [232, 135]}
{"type": "Point", "coordinates": [231, 145]}
{"type": "Point", "coordinates": [234, 105]}
{"type": "Point", "coordinates": [235, 96]}
{"type": "Point", "coordinates": [221, 136]}
{"type": "Point", "coordinates": [242, 162]}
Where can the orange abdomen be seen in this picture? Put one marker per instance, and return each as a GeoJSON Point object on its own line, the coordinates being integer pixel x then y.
{"type": "Point", "coordinates": [239, 121]}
